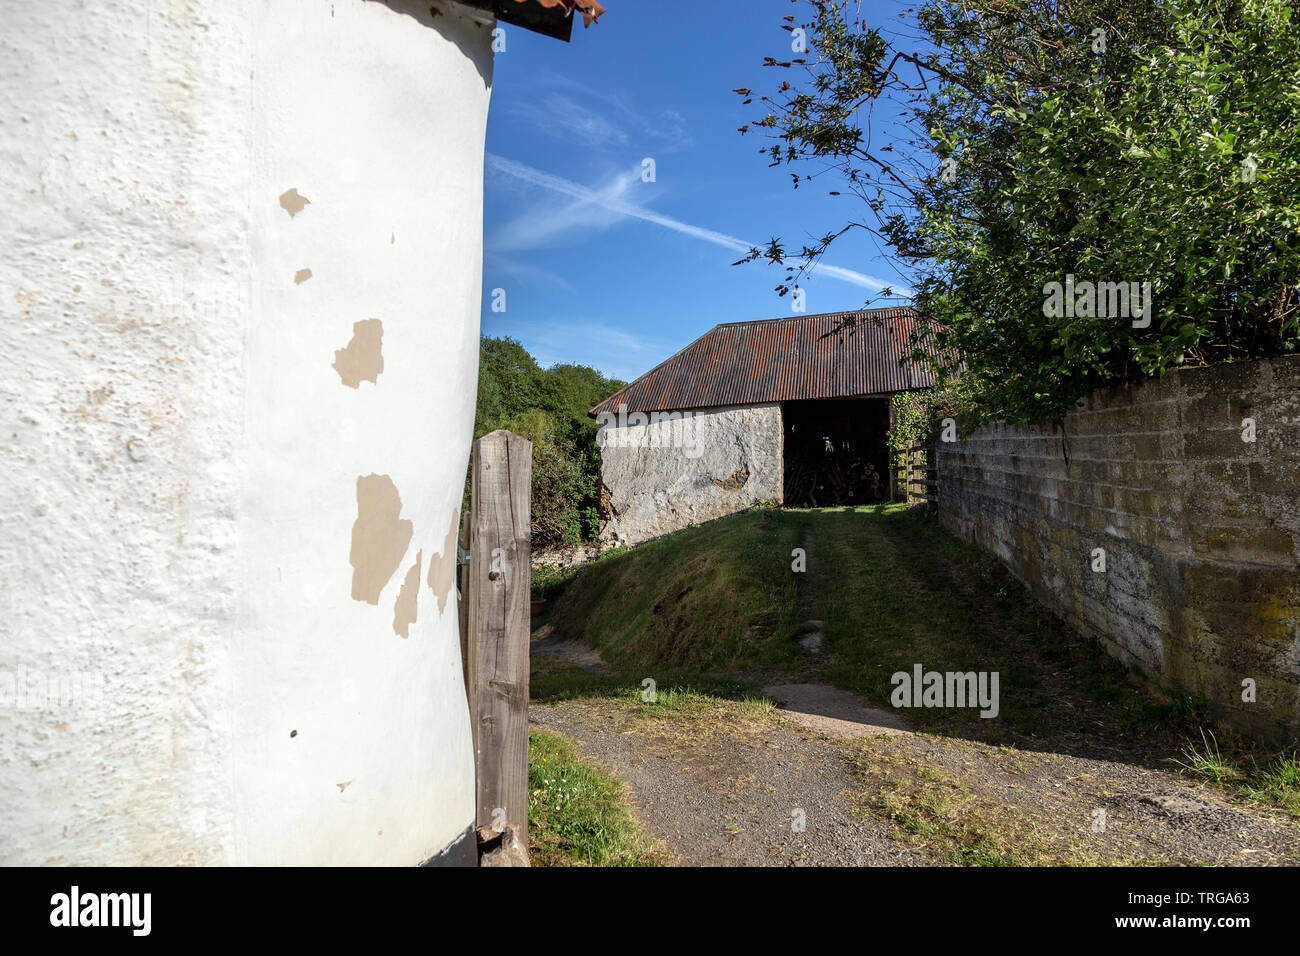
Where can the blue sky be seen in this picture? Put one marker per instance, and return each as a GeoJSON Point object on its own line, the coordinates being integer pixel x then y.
{"type": "Point", "coordinates": [603, 269]}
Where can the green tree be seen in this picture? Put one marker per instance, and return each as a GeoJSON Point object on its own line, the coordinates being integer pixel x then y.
{"type": "Point", "coordinates": [1143, 141]}
{"type": "Point", "coordinates": [507, 383]}
{"type": "Point", "coordinates": [548, 406]}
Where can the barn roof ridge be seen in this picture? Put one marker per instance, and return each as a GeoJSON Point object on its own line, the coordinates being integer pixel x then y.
{"type": "Point", "coordinates": [814, 315]}
{"type": "Point", "coordinates": [714, 370]}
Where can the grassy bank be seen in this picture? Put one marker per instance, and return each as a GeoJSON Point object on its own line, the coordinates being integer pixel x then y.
{"type": "Point", "coordinates": [897, 590]}
{"type": "Point", "coordinates": [718, 597]}
{"type": "Point", "coordinates": [714, 610]}
{"type": "Point", "coordinates": [893, 589]}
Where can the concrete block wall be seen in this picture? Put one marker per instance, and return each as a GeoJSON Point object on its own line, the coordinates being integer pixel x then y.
{"type": "Point", "coordinates": [1200, 528]}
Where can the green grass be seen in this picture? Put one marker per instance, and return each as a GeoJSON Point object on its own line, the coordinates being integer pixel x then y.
{"type": "Point", "coordinates": [942, 814]}
{"type": "Point", "coordinates": [893, 589]}
{"type": "Point", "coordinates": [1206, 762]}
{"type": "Point", "coordinates": [547, 582]}
{"type": "Point", "coordinates": [717, 597]}
{"type": "Point", "coordinates": [1272, 780]}
{"type": "Point", "coordinates": [577, 813]}
{"type": "Point", "coordinates": [950, 815]}
{"type": "Point", "coordinates": [1276, 782]}
{"type": "Point", "coordinates": [683, 707]}
{"type": "Point", "coordinates": [554, 679]}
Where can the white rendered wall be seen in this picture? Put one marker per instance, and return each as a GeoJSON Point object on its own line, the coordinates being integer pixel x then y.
{"type": "Point", "coordinates": [181, 441]}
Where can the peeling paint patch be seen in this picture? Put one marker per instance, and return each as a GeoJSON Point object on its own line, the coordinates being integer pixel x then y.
{"type": "Point", "coordinates": [379, 537]}
{"type": "Point", "coordinates": [737, 480]}
{"type": "Point", "coordinates": [301, 276]}
{"type": "Point", "coordinates": [442, 569]}
{"type": "Point", "coordinates": [363, 359]}
{"type": "Point", "coordinates": [406, 607]}
{"type": "Point", "coordinates": [292, 203]}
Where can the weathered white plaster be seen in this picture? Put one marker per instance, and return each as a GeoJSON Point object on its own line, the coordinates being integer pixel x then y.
{"type": "Point", "coordinates": [180, 458]}
{"type": "Point", "coordinates": [665, 475]}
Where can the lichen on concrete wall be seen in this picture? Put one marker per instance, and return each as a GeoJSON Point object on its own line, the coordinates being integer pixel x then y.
{"type": "Point", "coordinates": [1163, 518]}
{"type": "Point", "coordinates": [663, 473]}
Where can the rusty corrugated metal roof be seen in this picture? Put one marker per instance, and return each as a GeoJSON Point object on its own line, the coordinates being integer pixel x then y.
{"type": "Point", "coordinates": [785, 359]}
{"type": "Point", "coordinates": [553, 18]}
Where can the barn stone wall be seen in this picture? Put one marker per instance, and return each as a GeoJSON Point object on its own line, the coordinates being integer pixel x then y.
{"type": "Point", "coordinates": [666, 471]}
{"type": "Point", "coordinates": [1199, 524]}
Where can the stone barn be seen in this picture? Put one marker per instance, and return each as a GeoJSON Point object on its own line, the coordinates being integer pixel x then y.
{"type": "Point", "coordinates": [789, 410]}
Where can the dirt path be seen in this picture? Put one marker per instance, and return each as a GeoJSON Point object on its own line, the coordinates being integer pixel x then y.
{"type": "Point", "coordinates": [732, 797]}
{"type": "Point", "coordinates": [574, 652]}
{"type": "Point", "coordinates": [831, 712]}
{"type": "Point", "coordinates": [733, 792]}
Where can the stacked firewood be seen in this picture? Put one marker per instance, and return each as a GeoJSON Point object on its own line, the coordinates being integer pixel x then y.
{"type": "Point", "coordinates": [828, 478]}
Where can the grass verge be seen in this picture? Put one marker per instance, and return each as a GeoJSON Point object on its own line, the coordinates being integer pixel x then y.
{"type": "Point", "coordinates": [1273, 780]}
{"type": "Point", "coordinates": [578, 813]}
{"type": "Point", "coordinates": [896, 590]}
{"type": "Point", "coordinates": [676, 706]}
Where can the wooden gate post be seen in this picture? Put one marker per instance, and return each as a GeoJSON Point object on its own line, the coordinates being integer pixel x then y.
{"type": "Point", "coordinates": [922, 473]}
{"type": "Point", "coordinates": [498, 577]}
{"type": "Point", "coordinates": [462, 595]}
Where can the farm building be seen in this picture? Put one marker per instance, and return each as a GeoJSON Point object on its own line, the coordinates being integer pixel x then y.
{"type": "Point", "coordinates": [790, 410]}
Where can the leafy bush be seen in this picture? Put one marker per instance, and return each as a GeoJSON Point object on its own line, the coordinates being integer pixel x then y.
{"type": "Point", "coordinates": [549, 408]}
{"type": "Point", "coordinates": [1155, 141]}
{"type": "Point", "coordinates": [590, 521]}
{"type": "Point", "coordinates": [918, 416]}
{"type": "Point", "coordinates": [547, 582]}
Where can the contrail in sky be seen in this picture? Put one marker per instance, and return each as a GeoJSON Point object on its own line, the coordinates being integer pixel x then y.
{"type": "Point", "coordinates": [536, 177]}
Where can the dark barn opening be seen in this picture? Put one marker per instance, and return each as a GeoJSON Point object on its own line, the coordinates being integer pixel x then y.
{"type": "Point", "coordinates": [835, 452]}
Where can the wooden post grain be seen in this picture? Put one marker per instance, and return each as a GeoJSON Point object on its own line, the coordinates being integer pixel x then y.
{"type": "Point", "coordinates": [462, 599]}
{"type": "Point", "coordinates": [498, 626]}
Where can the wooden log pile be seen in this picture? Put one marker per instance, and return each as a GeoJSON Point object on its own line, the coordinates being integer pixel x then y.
{"type": "Point", "coordinates": [822, 479]}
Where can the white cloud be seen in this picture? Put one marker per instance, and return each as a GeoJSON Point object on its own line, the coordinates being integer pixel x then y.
{"type": "Point", "coordinates": [547, 223]}
{"type": "Point", "coordinates": [499, 265]}
{"type": "Point", "coordinates": [562, 108]}
{"type": "Point", "coordinates": [600, 208]}
{"type": "Point", "coordinates": [606, 348]}
{"type": "Point", "coordinates": [567, 119]}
